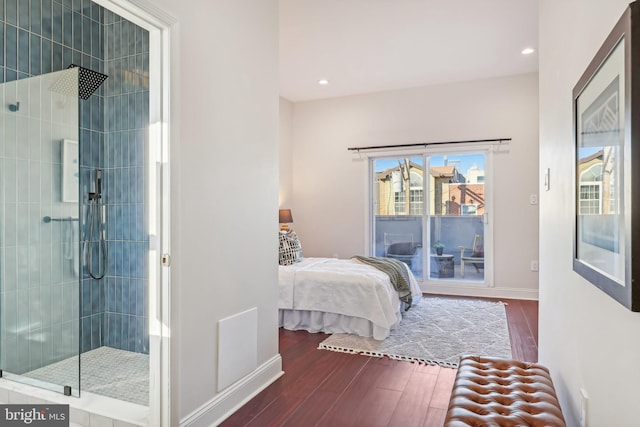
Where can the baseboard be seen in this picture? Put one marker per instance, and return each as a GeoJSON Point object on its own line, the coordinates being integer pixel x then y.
{"type": "Point", "coordinates": [232, 398]}
{"type": "Point", "coordinates": [477, 291]}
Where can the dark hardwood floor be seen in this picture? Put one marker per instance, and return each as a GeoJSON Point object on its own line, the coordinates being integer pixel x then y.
{"type": "Point", "coordinates": [324, 388]}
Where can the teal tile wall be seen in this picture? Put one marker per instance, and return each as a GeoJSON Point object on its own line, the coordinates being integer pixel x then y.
{"type": "Point", "coordinates": [126, 119]}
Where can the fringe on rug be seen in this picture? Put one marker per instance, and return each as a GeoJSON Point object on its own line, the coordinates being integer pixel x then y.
{"type": "Point", "coordinates": [412, 359]}
{"type": "Point", "coordinates": [339, 349]}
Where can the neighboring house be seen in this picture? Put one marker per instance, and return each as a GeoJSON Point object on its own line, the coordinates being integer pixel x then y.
{"type": "Point", "coordinates": [475, 175]}
{"type": "Point", "coordinates": [596, 175]}
{"type": "Point", "coordinates": [400, 190]}
{"type": "Point", "coordinates": [465, 199]}
{"type": "Point", "coordinates": [401, 193]}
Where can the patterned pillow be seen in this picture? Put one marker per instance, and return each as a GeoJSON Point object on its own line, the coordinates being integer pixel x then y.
{"type": "Point", "coordinates": [290, 248]}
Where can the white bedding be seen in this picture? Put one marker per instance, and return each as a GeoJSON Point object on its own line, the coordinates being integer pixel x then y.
{"type": "Point", "coordinates": [346, 290]}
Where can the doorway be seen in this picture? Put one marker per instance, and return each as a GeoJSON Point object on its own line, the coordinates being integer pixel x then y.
{"type": "Point", "coordinates": [431, 211]}
{"type": "Point", "coordinates": [121, 135]}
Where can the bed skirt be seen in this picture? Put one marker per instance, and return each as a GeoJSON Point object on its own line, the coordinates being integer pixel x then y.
{"type": "Point", "coordinates": [330, 323]}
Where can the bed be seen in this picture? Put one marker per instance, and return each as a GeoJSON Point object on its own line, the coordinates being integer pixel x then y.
{"type": "Point", "coordinates": [340, 296]}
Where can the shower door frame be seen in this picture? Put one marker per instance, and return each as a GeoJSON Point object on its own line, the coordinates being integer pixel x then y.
{"type": "Point", "coordinates": [148, 16]}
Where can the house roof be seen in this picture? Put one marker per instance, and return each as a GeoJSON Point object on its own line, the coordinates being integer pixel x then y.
{"type": "Point", "coordinates": [443, 171]}
{"type": "Point", "coordinates": [595, 155]}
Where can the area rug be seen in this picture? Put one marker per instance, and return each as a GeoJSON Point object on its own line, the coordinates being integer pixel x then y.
{"type": "Point", "coordinates": [437, 331]}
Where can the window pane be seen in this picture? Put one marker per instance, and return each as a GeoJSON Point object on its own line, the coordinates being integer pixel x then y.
{"type": "Point", "coordinates": [457, 205]}
{"type": "Point", "coordinates": [398, 206]}
{"type": "Point", "coordinates": [452, 205]}
{"type": "Point", "coordinates": [590, 198]}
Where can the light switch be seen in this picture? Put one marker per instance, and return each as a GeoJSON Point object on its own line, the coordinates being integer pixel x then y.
{"type": "Point", "coordinates": [547, 179]}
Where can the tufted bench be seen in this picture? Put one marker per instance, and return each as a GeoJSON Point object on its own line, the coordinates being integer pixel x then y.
{"type": "Point", "coordinates": [492, 392]}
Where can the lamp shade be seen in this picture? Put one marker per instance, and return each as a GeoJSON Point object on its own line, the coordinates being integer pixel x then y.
{"type": "Point", "coordinates": [285, 216]}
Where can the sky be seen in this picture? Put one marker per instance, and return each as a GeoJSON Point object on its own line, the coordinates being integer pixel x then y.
{"type": "Point", "coordinates": [461, 161]}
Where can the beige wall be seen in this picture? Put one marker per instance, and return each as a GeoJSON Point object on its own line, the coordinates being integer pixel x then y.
{"type": "Point", "coordinates": [587, 339]}
{"type": "Point", "coordinates": [224, 186]}
{"type": "Point", "coordinates": [329, 183]}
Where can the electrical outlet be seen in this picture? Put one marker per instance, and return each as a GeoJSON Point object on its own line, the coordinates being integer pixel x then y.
{"type": "Point", "coordinates": [534, 265]}
{"type": "Point", "coordinates": [584, 401]}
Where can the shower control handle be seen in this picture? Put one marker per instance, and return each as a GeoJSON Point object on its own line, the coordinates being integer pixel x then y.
{"type": "Point", "coordinates": [97, 187]}
{"type": "Point", "coordinates": [99, 182]}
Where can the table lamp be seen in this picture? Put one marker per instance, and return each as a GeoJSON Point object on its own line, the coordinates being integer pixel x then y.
{"type": "Point", "coordinates": [285, 219]}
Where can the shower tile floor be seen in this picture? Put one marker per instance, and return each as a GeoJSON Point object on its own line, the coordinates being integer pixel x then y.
{"type": "Point", "coordinates": [106, 371]}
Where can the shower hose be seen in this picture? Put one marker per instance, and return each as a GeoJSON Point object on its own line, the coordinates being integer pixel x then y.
{"type": "Point", "coordinates": [95, 221]}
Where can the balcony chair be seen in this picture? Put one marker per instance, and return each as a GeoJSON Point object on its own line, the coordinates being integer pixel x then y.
{"type": "Point", "coordinates": [400, 247]}
{"type": "Point", "coordinates": [475, 256]}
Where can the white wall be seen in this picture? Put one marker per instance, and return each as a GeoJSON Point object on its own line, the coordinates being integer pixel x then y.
{"type": "Point", "coordinates": [224, 191]}
{"type": "Point", "coordinates": [329, 183]}
{"type": "Point", "coordinates": [286, 153]}
{"type": "Point", "coordinates": [587, 339]}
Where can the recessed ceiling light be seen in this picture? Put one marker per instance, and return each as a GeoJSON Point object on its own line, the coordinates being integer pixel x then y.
{"type": "Point", "coordinates": [323, 82]}
{"type": "Point", "coordinates": [528, 51]}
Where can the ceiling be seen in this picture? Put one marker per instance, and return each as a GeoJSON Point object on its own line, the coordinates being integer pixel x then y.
{"type": "Point", "coordinates": [364, 46]}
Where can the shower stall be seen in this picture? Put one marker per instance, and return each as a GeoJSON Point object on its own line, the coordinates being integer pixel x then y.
{"type": "Point", "coordinates": [74, 114]}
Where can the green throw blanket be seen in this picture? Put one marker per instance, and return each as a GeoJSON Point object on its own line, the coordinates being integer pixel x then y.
{"type": "Point", "coordinates": [397, 272]}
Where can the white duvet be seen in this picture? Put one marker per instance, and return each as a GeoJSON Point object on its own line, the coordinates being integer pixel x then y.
{"type": "Point", "coordinates": [342, 286]}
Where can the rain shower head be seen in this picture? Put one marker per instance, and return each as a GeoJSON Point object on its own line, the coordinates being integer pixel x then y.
{"type": "Point", "coordinates": [88, 82]}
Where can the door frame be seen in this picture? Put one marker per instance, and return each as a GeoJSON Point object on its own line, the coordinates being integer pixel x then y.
{"type": "Point", "coordinates": [161, 27]}
{"type": "Point", "coordinates": [426, 284]}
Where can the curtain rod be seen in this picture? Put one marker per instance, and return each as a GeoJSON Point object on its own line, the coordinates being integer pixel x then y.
{"type": "Point", "coordinates": [425, 144]}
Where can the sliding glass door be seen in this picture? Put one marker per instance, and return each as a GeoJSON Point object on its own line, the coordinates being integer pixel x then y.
{"type": "Point", "coordinates": [398, 210]}
{"type": "Point", "coordinates": [431, 212]}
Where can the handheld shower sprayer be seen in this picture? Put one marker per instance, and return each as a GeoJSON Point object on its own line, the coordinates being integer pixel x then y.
{"type": "Point", "coordinates": [99, 182]}
{"type": "Point", "coordinates": [95, 221]}
{"type": "Point", "coordinates": [97, 186]}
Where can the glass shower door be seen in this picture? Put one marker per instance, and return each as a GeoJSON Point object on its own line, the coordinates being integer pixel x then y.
{"type": "Point", "coordinates": [39, 235]}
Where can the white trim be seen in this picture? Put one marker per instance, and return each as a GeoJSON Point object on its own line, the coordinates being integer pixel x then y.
{"type": "Point", "coordinates": [435, 148]}
{"type": "Point", "coordinates": [489, 201]}
{"type": "Point", "coordinates": [143, 13]}
{"type": "Point", "coordinates": [487, 149]}
{"type": "Point", "coordinates": [235, 396]}
{"type": "Point", "coordinates": [479, 291]}
{"type": "Point", "coordinates": [161, 26]}
{"type": "Point", "coordinates": [368, 191]}
{"type": "Point", "coordinates": [81, 409]}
